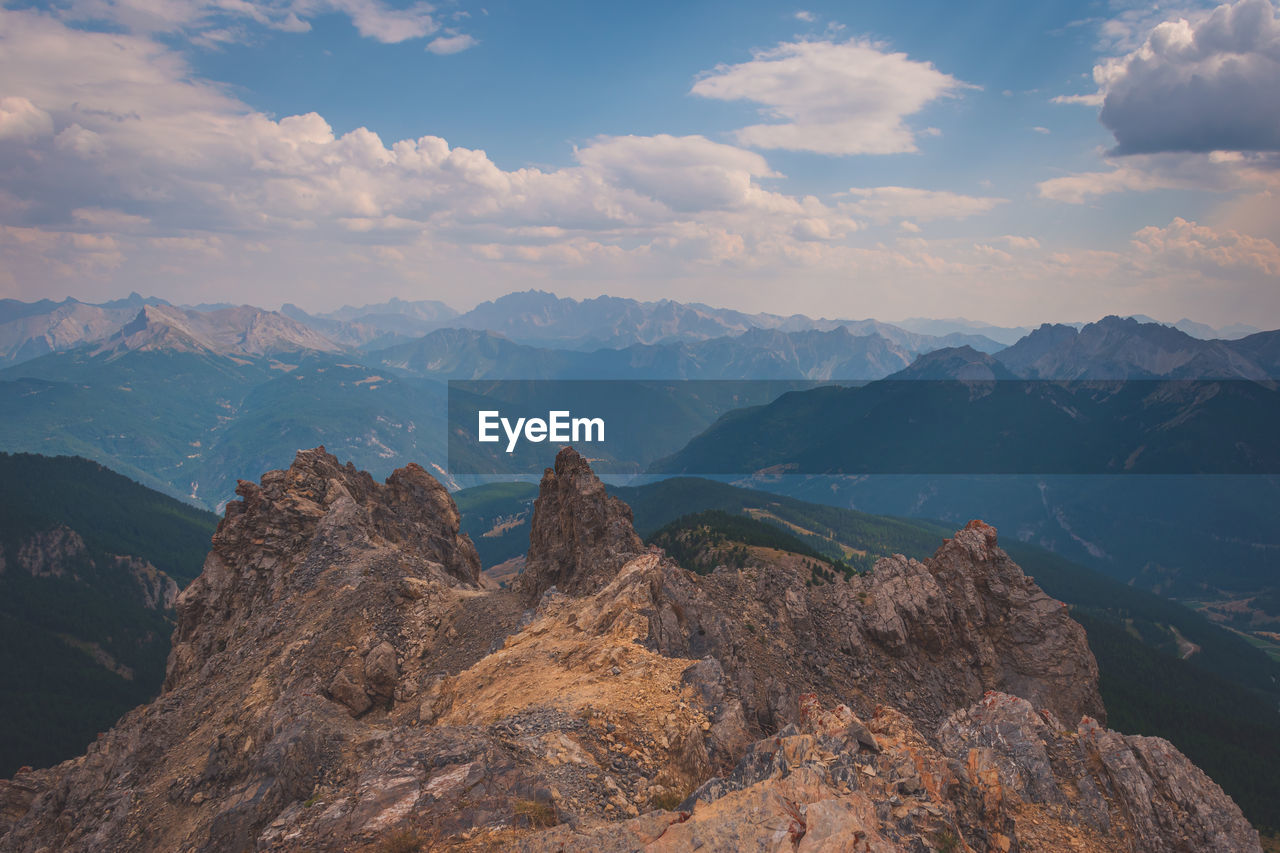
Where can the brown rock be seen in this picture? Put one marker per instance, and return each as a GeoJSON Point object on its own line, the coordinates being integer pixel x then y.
{"type": "Point", "coordinates": [381, 672]}
{"type": "Point", "coordinates": [339, 681]}
{"type": "Point", "coordinates": [580, 535]}
{"type": "Point", "coordinates": [348, 688]}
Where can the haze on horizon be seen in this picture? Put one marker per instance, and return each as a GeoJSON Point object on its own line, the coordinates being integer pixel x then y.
{"type": "Point", "coordinates": [1013, 164]}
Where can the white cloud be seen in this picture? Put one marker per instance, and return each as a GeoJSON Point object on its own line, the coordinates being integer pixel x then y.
{"type": "Point", "coordinates": [1018, 242]}
{"type": "Point", "coordinates": [446, 45]}
{"type": "Point", "coordinates": [156, 175]}
{"type": "Point", "coordinates": [1216, 172]}
{"type": "Point", "coordinates": [216, 22]}
{"type": "Point", "coordinates": [375, 19]}
{"type": "Point", "coordinates": [830, 97]}
{"type": "Point", "coordinates": [1208, 82]}
{"type": "Point", "coordinates": [684, 173]}
{"type": "Point", "coordinates": [881, 204]}
{"type": "Point", "coordinates": [188, 157]}
{"type": "Point", "coordinates": [23, 120]}
{"type": "Point", "coordinates": [1093, 99]}
{"type": "Point", "coordinates": [1183, 243]}
{"type": "Point", "coordinates": [806, 16]}
{"type": "Point", "coordinates": [1043, 130]}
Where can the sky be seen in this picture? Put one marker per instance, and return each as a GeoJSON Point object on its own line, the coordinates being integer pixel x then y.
{"type": "Point", "coordinates": [1010, 162]}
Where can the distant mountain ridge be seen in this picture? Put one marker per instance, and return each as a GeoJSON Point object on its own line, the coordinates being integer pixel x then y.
{"type": "Point", "coordinates": [244, 331]}
{"type": "Point", "coordinates": [755, 354]}
{"type": "Point", "coordinates": [531, 318]}
{"type": "Point", "coordinates": [1158, 395]}
{"type": "Point", "coordinates": [375, 325]}
{"type": "Point", "coordinates": [31, 329]}
{"type": "Point", "coordinates": [1123, 348]}
{"type": "Point", "coordinates": [1009, 335]}
{"type": "Point", "coordinates": [536, 318]}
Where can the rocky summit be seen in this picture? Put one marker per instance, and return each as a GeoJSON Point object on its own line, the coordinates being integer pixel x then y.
{"type": "Point", "coordinates": [343, 679]}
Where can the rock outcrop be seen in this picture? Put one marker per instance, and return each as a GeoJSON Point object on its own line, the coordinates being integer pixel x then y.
{"type": "Point", "coordinates": [53, 553]}
{"type": "Point", "coordinates": [1003, 780]}
{"type": "Point", "coordinates": [340, 681]}
{"type": "Point", "coordinates": [926, 637]}
{"type": "Point", "coordinates": [580, 535]}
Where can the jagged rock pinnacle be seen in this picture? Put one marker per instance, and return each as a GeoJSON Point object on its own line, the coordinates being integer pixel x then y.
{"type": "Point", "coordinates": [580, 535]}
{"type": "Point", "coordinates": [275, 542]}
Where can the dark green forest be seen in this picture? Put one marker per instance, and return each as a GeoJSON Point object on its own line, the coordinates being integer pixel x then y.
{"type": "Point", "coordinates": [80, 649]}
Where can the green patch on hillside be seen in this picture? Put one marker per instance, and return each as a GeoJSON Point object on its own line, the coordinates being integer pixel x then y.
{"type": "Point", "coordinates": [842, 534]}
{"type": "Point", "coordinates": [1157, 622]}
{"type": "Point", "coordinates": [705, 540]}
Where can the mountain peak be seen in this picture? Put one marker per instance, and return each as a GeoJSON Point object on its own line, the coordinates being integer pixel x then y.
{"type": "Point", "coordinates": [962, 363]}
{"type": "Point", "coordinates": [1116, 348]}
{"type": "Point", "coordinates": [242, 331]}
{"type": "Point", "coordinates": [581, 535]}
{"type": "Point", "coordinates": [277, 542]}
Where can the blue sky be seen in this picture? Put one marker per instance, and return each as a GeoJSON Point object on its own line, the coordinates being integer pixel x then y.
{"type": "Point", "coordinates": [1011, 162]}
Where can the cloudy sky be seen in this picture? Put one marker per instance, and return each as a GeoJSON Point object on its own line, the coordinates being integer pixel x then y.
{"type": "Point", "coordinates": [1007, 161]}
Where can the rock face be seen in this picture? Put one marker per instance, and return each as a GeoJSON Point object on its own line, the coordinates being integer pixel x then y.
{"type": "Point", "coordinates": [339, 681]}
{"type": "Point", "coordinates": [275, 542]}
{"type": "Point", "coordinates": [1139, 789]}
{"type": "Point", "coordinates": [52, 553]}
{"type": "Point", "coordinates": [1003, 780]}
{"type": "Point", "coordinates": [581, 535]}
{"type": "Point", "coordinates": [926, 637]}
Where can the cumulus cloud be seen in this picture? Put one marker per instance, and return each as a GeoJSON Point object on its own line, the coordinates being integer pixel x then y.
{"type": "Point", "coordinates": [23, 120]}
{"type": "Point", "coordinates": [375, 19]}
{"type": "Point", "coordinates": [881, 204]}
{"type": "Point", "coordinates": [185, 156]}
{"type": "Point", "coordinates": [830, 97]}
{"type": "Point", "coordinates": [1208, 85]}
{"type": "Point", "coordinates": [446, 45]}
{"type": "Point", "coordinates": [1184, 243]}
{"type": "Point", "coordinates": [684, 173]}
{"type": "Point", "coordinates": [146, 172]}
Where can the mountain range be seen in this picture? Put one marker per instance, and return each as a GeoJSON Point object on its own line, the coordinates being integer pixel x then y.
{"type": "Point", "coordinates": [28, 330]}
{"type": "Point", "coordinates": [186, 400]}
{"type": "Point", "coordinates": [183, 399]}
{"type": "Point", "coordinates": [978, 435]}
{"type": "Point", "coordinates": [342, 678]}
{"type": "Point", "coordinates": [1008, 335]}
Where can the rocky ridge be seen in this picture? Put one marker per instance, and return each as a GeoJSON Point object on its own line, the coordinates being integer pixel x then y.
{"type": "Point", "coordinates": [340, 680]}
